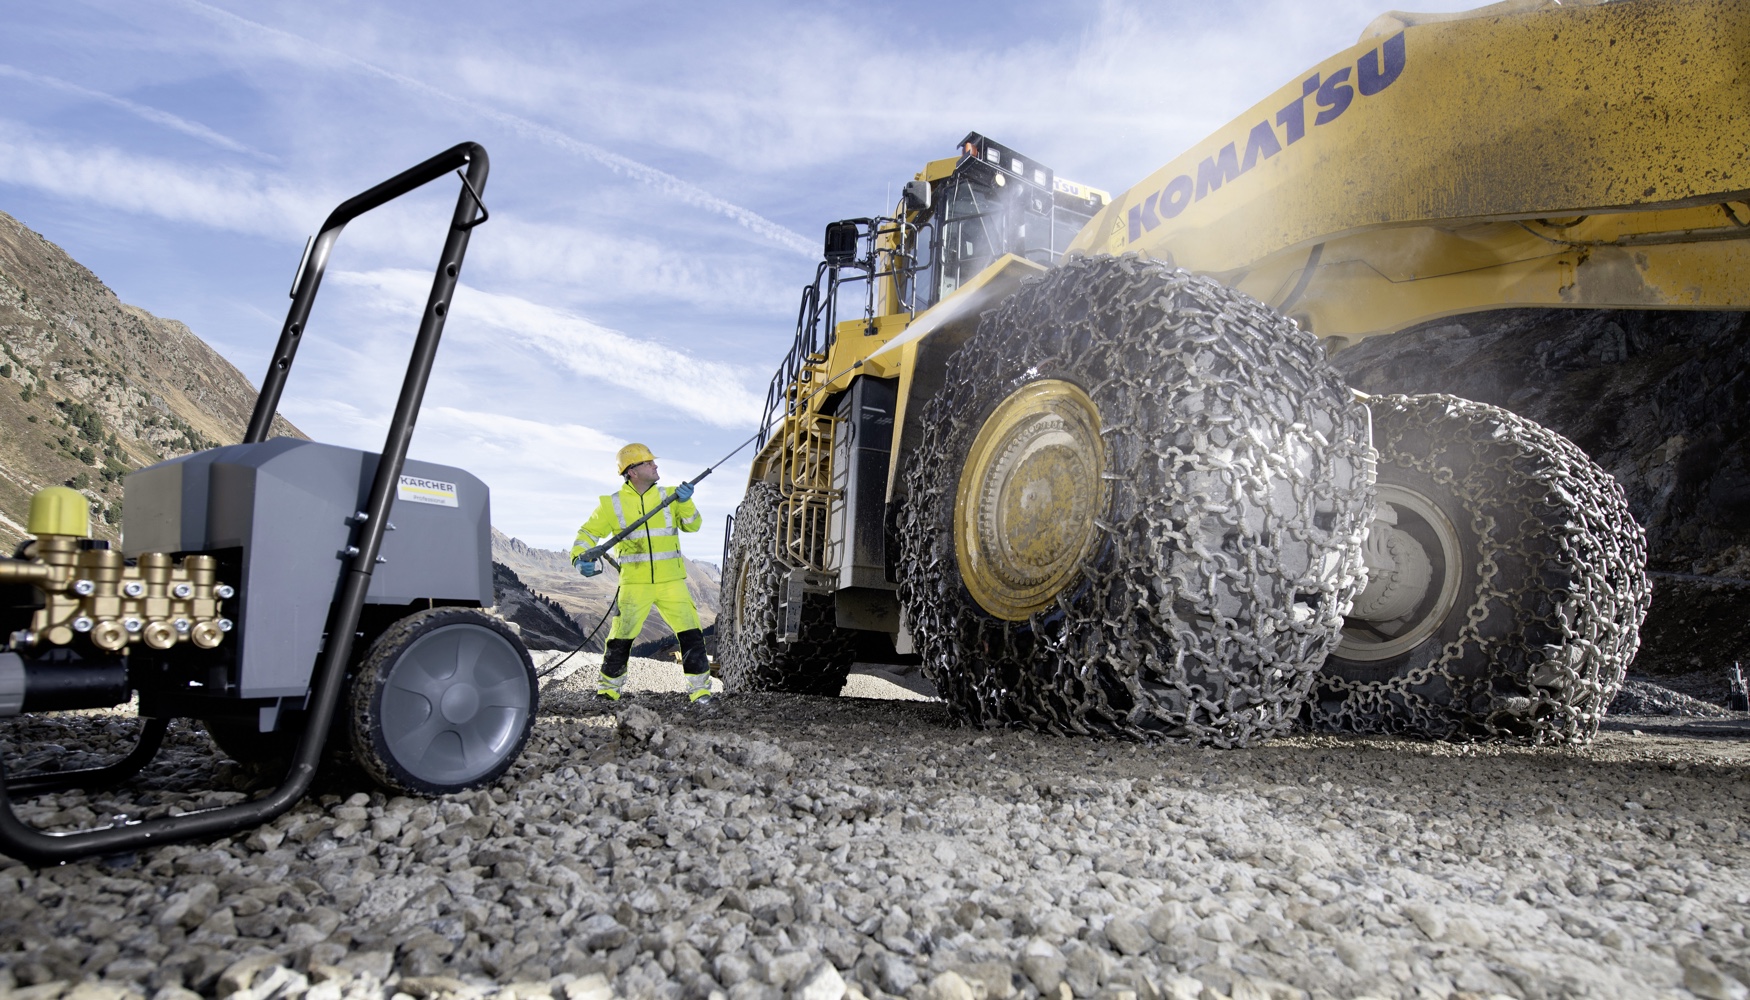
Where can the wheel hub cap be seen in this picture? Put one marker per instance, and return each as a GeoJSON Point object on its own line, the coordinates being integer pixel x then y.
{"type": "Point", "coordinates": [460, 703]}
{"type": "Point", "coordinates": [1029, 498]}
{"type": "Point", "coordinates": [1414, 563]}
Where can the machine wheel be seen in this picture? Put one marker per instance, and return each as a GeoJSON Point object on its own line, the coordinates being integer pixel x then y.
{"type": "Point", "coordinates": [749, 626]}
{"type": "Point", "coordinates": [444, 701]}
{"type": "Point", "coordinates": [1507, 582]}
{"type": "Point", "coordinates": [1136, 508]}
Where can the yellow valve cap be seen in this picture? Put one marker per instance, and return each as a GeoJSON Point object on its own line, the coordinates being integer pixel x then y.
{"type": "Point", "coordinates": [60, 510]}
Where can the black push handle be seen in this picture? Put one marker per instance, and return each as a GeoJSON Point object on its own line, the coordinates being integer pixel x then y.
{"type": "Point", "coordinates": [31, 845]}
{"type": "Point", "coordinates": [468, 154]}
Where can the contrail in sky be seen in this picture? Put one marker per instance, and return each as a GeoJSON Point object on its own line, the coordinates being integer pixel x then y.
{"type": "Point", "coordinates": [150, 114]}
{"type": "Point", "coordinates": [669, 184]}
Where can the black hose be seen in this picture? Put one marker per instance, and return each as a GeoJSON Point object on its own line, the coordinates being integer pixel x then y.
{"type": "Point", "coordinates": [586, 639]}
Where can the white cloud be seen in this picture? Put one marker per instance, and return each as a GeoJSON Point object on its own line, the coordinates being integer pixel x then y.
{"type": "Point", "coordinates": [588, 262]}
{"type": "Point", "coordinates": [1110, 102]}
{"type": "Point", "coordinates": [221, 197]}
{"type": "Point", "coordinates": [670, 185]}
{"type": "Point", "coordinates": [542, 449]}
{"type": "Point", "coordinates": [591, 263]}
{"type": "Point", "coordinates": [709, 391]}
{"type": "Point", "coordinates": [144, 112]}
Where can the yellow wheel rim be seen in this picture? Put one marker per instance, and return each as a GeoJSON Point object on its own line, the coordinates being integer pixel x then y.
{"type": "Point", "coordinates": [1029, 497]}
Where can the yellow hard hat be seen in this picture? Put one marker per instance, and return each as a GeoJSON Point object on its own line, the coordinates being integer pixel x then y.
{"type": "Point", "coordinates": [632, 455]}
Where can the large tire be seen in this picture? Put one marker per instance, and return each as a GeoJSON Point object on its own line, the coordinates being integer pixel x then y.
{"type": "Point", "coordinates": [444, 702]}
{"type": "Point", "coordinates": [1532, 583]}
{"type": "Point", "coordinates": [749, 625]}
{"type": "Point", "coordinates": [1136, 508]}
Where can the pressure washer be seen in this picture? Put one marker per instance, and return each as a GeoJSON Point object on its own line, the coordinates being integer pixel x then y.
{"type": "Point", "coordinates": [249, 577]}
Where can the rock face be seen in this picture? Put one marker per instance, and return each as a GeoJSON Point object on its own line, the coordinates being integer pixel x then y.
{"type": "Point", "coordinates": [542, 622]}
{"type": "Point", "coordinates": [91, 388]}
{"type": "Point", "coordinates": [1660, 399]}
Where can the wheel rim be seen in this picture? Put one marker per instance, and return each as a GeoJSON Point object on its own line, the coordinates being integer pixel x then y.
{"type": "Point", "coordinates": [1029, 499]}
{"type": "Point", "coordinates": [1423, 524]}
{"type": "Point", "coordinates": [455, 704]}
{"type": "Point", "coordinates": [740, 600]}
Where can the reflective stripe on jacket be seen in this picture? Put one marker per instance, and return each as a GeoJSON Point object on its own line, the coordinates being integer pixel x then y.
{"type": "Point", "coordinates": [652, 554]}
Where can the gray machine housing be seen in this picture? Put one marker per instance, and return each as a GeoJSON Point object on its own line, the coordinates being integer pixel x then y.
{"type": "Point", "coordinates": [290, 507]}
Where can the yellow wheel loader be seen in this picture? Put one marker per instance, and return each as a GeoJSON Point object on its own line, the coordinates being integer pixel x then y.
{"type": "Point", "coordinates": [1085, 459]}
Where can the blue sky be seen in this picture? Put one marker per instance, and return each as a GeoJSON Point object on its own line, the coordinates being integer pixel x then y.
{"type": "Point", "coordinates": [661, 175]}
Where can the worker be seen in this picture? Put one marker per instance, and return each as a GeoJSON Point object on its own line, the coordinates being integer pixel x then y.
{"type": "Point", "coordinates": [653, 573]}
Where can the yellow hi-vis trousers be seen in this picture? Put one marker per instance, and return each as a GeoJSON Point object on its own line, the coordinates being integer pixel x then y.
{"type": "Point", "coordinates": [670, 599]}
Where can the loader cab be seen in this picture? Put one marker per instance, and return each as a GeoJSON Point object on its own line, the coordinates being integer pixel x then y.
{"type": "Point", "coordinates": [996, 202]}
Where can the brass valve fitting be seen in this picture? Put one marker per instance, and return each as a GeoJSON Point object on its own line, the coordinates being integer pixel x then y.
{"type": "Point", "coordinates": [93, 592]}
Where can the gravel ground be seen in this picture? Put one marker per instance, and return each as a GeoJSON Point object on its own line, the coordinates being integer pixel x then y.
{"type": "Point", "coordinates": [781, 846]}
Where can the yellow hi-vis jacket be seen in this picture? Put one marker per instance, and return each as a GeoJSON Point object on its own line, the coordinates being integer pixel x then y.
{"type": "Point", "coordinates": [652, 554]}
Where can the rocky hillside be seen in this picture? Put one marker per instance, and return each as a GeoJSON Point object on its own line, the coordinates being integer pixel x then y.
{"type": "Point", "coordinates": [549, 572]}
{"type": "Point", "coordinates": [1661, 400]}
{"type": "Point", "coordinates": [91, 388]}
{"type": "Point", "coordinates": [541, 621]}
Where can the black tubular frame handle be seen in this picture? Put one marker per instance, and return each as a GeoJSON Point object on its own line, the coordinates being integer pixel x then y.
{"type": "Point", "coordinates": [36, 847]}
{"type": "Point", "coordinates": [108, 775]}
{"type": "Point", "coordinates": [468, 154]}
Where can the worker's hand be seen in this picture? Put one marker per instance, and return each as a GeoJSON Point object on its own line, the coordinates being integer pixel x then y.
{"type": "Point", "coordinates": [684, 491]}
{"type": "Point", "coordinates": [587, 567]}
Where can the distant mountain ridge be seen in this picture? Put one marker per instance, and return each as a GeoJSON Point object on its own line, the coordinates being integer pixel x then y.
{"type": "Point", "coordinates": [541, 621]}
{"type": "Point", "coordinates": [549, 572]}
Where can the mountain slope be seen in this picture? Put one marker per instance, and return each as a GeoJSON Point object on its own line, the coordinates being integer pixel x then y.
{"type": "Point", "coordinates": [541, 621]}
{"type": "Point", "coordinates": [91, 387]}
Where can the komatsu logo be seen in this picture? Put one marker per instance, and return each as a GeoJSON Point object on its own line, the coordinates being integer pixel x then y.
{"type": "Point", "coordinates": [1372, 73]}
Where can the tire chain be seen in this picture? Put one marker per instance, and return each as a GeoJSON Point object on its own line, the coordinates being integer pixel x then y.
{"type": "Point", "coordinates": [752, 657]}
{"type": "Point", "coordinates": [1225, 563]}
{"type": "Point", "coordinates": [1537, 501]}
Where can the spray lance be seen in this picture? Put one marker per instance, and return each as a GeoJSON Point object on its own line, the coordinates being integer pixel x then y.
{"type": "Point", "coordinates": [599, 552]}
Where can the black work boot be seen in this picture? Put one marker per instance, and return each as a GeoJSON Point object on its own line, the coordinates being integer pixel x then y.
{"type": "Point", "coordinates": [696, 665]}
{"type": "Point", "coordinates": [613, 681]}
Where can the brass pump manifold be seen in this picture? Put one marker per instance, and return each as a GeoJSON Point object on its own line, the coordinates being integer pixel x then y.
{"type": "Point", "coordinates": [157, 601]}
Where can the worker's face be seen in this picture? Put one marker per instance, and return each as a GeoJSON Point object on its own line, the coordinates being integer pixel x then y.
{"type": "Point", "coordinates": [643, 475]}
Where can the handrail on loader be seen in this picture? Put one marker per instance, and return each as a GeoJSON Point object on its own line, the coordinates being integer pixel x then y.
{"type": "Point", "coordinates": [470, 161]}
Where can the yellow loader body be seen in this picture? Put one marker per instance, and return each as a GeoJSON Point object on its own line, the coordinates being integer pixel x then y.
{"type": "Point", "coordinates": [981, 492]}
{"type": "Point", "coordinates": [1525, 154]}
